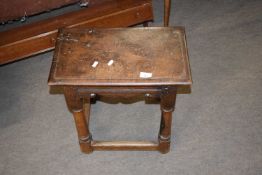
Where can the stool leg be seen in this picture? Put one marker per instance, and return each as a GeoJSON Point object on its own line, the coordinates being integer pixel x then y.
{"type": "Point", "coordinates": [167, 12]}
{"type": "Point", "coordinates": [75, 105]}
{"type": "Point", "coordinates": [168, 99]}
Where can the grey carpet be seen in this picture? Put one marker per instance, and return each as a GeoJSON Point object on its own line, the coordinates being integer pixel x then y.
{"type": "Point", "coordinates": [216, 129]}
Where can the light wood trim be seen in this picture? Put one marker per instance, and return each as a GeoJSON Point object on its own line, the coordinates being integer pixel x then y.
{"type": "Point", "coordinates": [125, 145]}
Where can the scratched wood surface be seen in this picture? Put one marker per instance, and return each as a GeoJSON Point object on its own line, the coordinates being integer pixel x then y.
{"type": "Point", "coordinates": [159, 52]}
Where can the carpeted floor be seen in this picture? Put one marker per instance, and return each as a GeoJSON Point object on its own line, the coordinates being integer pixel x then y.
{"type": "Point", "coordinates": [216, 130]}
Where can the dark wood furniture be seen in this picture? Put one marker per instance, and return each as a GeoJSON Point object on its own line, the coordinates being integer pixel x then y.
{"type": "Point", "coordinates": [38, 37]}
{"type": "Point", "coordinates": [28, 7]}
{"type": "Point", "coordinates": [89, 63]}
{"type": "Point", "coordinates": [167, 12]}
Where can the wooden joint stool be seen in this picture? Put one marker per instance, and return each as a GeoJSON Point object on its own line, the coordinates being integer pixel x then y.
{"type": "Point", "coordinates": [121, 62]}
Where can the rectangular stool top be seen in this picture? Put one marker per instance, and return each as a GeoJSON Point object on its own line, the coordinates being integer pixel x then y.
{"type": "Point", "coordinates": [121, 57]}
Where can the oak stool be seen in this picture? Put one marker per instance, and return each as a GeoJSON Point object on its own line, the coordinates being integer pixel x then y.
{"type": "Point", "coordinates": [123, 62]}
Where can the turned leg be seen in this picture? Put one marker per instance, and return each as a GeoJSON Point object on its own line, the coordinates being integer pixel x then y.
{"type": "Point", "coordinates": [81, 117]}
{"type": "Point", "coordinates": [168, 99]}
{"type": "Point", "coordinates": [167, 12]}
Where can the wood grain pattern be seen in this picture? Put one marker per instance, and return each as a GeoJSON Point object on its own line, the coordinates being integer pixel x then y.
{"type": "Point", "coordinates": [157, 50]}
{"type": "Point", "coordinates": [132, 48]}
{"type": "Point", "coordinates": [38, 37]}
{"type": "Point", "coordinates": [124, 145]}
